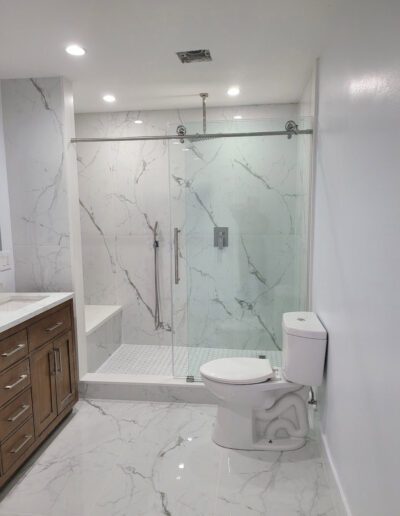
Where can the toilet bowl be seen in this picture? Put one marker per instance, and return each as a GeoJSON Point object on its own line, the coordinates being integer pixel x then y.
{"type": "Point", "coordinates": [260, 408]}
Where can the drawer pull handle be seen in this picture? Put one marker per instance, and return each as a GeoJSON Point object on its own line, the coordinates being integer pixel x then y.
{"type": "Point", "coordinates": [52, 328]}
{"type": "Point", "coordinates": [16, 416]}
{"type": "Point", "coordinates": [20, 379]}
{"type": "Point", "coordinates": [26, 440]}
{"type": "Point", "coordinates": [15, 350]}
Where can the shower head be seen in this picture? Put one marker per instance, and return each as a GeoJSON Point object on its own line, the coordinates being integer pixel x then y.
{"type": "Point", "coordinates": [181, 129]}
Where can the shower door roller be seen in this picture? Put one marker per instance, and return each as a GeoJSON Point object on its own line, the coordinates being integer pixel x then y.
{"type": "Point", "coordinates": [221, 237]}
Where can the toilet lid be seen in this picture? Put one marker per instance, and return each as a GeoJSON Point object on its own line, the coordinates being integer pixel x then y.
{"type": "Point", "coordinates": [237, 370]}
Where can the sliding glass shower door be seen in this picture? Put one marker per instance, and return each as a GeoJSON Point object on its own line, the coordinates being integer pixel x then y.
{"type": "Point", "coordinates": [239, 216]}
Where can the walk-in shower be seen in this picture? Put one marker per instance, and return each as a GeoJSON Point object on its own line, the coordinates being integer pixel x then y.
{"type": "Point", "coordinates": [200, 240]}
{"type": "Point", "coordinates": [240, 208]}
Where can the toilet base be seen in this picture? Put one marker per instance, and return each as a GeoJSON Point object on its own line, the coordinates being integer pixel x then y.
{"type": "Point", "coordinates": [282, 427]}
{"type": "Point", "coordinates": [291, 443]}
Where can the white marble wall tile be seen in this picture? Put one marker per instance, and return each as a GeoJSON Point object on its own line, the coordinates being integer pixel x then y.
{"type": "Point", "coordinates": [33, 116]}
{"type": "Point", "coordinates": [229, 298]}
{"type": "Point", "coordinates": [135, 287]}
{"type": "Point", "coordinates": [236, 296]}
{"type": "Point", "coordinates": [43, 267]}
{"type": "Point", "coordinates": [99, 268]}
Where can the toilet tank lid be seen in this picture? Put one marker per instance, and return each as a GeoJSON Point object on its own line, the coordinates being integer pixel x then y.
{"type": "Point", "coordinates": [303, 324]}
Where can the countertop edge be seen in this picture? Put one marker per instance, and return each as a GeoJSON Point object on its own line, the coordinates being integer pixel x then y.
{"type": "Point", "coordinates": [20, 316]}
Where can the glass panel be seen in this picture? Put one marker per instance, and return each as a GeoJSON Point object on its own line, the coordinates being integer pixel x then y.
{"type": "Point", "coordinates": [241, 205]}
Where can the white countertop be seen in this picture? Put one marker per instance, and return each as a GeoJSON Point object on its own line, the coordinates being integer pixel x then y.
{"type": "Point", "coordinates": [11, 318]}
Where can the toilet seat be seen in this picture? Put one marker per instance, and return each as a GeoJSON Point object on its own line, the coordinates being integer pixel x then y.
{"type": "Point", "coordinates": [237, 370]}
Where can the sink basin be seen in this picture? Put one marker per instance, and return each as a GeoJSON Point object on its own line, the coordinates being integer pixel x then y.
{"type": "Point", "coordinates": [17, 302]}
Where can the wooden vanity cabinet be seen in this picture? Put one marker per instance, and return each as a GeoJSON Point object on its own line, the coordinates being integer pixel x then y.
{"type": "Point", "coordinates": [44, 387]}
{"type": "Point", "coordinates": [53, 379]}
{"type": "Point", "coordinates": [38, 383]}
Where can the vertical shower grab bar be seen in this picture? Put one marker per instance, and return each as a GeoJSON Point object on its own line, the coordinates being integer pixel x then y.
{"type": "Point", "coordinates": [176, 252]}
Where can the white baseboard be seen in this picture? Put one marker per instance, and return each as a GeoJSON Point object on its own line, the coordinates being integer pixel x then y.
{"type": "Point", "coordinates": [340, 500]}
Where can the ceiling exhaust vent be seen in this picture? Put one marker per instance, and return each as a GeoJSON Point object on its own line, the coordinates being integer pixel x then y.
{"type": "Point", "coordinates": [194, 56]}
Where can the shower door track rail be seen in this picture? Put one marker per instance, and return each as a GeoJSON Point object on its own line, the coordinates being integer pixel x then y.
{"type": "Point", "coordinates": [191, 137]}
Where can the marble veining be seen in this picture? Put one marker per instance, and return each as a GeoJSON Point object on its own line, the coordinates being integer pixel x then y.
{"type": "Point", "coordinates": [235, 297]}
{"type": "Point", "coordinates": [103, 341]}
{"type": "Point", "coordinates": [35, 137]}
{"type": "Point", "coordinates": [157, 459]}
{"type": "Point", "coordinates": [256, 186]}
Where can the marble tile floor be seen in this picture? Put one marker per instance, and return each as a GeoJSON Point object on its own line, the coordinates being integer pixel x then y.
{"type": "Point", "coordinates": [158, 360]}
{"type": "Point", "coordinates": [116, 458]}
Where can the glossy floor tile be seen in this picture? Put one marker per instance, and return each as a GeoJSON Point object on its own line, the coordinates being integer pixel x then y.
{"type": "Point", "coordinates": [157, 459]}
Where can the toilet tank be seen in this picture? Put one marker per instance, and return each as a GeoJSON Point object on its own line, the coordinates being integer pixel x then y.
{"type": "Point", "coordinates": [304, 347]}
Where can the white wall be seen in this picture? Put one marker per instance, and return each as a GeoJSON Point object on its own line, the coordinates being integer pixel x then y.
{"type": "Point", "coordinates": [356, 287]}
{"type": "Point", "coordinates": [7, 279]}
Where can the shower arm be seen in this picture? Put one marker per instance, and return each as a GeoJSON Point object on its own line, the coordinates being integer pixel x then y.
{"type": "Point", "coordinates": [204, 97]}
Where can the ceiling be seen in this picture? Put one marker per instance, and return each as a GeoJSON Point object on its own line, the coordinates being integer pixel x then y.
{"type": "Point", "coordinates": [267, 47]}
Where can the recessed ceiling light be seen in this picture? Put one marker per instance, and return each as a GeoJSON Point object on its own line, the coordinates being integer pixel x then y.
{"type": "Point", "coordinates": [181, 466]}
{"type": "Point", "coordinates": [109, 98]}
{"type": "Point", "coordinates": [75, 50]}
{"type": "Point", "coordinates": [233, 91]}
{"type": "Point", "coordinates": [238, 117]}
{"type": "Point", "coordinates": [138, 121]}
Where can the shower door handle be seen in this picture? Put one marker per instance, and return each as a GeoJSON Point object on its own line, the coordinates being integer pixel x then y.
{"type": "Point", "coordinates": [176, 252]}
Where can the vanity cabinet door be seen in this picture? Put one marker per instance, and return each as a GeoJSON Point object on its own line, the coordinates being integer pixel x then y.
{"type": "Point", "coordinates": [65, 370]}
{"type": "Point", "coordinates": [44, 395]}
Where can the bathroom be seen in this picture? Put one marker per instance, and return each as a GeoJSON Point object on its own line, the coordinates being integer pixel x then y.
{"type": "Point", "coordinates": [197, 239]}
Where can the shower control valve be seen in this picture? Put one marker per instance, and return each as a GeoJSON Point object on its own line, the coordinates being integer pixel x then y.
{"type": "Point", "coordinates": [221, 237]}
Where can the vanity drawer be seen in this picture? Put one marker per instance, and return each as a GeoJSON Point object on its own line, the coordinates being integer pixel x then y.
{"type": "Point", "coordinates": [49, 327]}
{"type": "Point", "coordinates": [13, 348]}
{"type": "Point", "coordinates": [14, 413]}
{"type": "Point", "coordinates": [14, 381]}
{"type": "Point", "coordinates": [17, 445]}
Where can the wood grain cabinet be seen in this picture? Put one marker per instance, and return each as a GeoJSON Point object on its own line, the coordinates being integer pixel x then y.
{"type": "Point", "coordinates": [38, 383]}
{"type": "Point", "coordinates": [44, 387]}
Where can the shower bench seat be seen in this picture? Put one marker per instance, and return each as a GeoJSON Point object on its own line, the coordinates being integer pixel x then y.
{"type": "Point", "coordinates": [103, 333]}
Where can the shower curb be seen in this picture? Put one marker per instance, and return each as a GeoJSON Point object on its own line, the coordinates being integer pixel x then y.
{"type": "Point", "coordinates": [143, 388]}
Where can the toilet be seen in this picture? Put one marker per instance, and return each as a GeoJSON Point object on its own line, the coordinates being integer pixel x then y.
{"type": "Point", "coordinates": [265, 408]}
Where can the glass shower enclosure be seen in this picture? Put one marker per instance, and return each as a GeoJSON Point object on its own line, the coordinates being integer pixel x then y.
{"type": "Point", "coordinates": [240, 231]}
